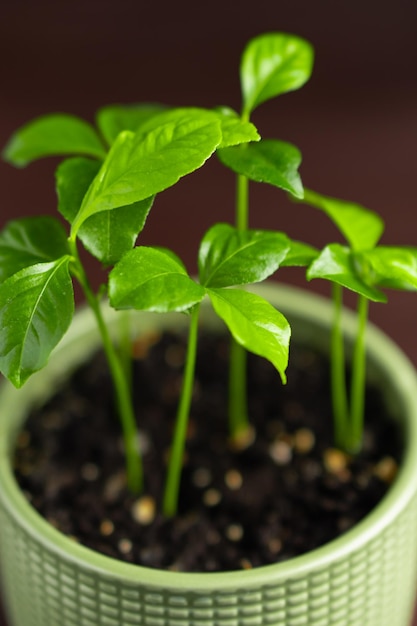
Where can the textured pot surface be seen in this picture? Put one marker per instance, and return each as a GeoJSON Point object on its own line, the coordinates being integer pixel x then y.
{"type": "Point", "coordinates": [367, 577]}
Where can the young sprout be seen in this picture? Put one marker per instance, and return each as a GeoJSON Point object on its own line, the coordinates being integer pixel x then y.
{"type": "Point", "coordinates": [272, 64]}
{"type": "Point", "coordinates": [106, 204]}
{"type": "Point", "coordinates": [363, 267]}
{"type": "Point", "coordinates": [105, 192]}
{"type": "Point", "coordinates": [155, 279]}
{"type": "Point", "coordinates": [141, 137]}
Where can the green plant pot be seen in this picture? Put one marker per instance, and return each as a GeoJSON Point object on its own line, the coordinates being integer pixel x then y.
{"type": "Point", "coordinates": [367, 577]}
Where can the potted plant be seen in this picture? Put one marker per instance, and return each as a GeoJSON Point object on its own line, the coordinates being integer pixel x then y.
{"type": "Point", "coordinates": [106, 189]}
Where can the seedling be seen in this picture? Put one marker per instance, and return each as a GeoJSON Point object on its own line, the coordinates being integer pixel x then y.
{"type": "Point", "coordinates": [105, 192]}
{"type": "Point", "coordinates": [139, 152]}
{"type": "Point", "coordinates": [271, 65]}
{"type": "Point", "coordinates": [364, 268]}
{"type": "Point", "coordinates": [36, 296]}
{"type": "Point", "coordinates": [227, 258]}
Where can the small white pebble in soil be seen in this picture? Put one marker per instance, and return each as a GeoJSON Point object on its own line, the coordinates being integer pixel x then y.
{"type": "Point", "coordinates": [386, 469]}
{"type": "Point", "coordinates": [144, 510]}
{"type": "Point", "coordinates": [243, 440]}
{"type": "Point", "coordinates": [143, 442]}
{"type": "Point", "coordinates": [212, 497]}
{"type": "Point", "coordinates": [106, 528]}
{"type": "Point", "coordinates": [202, 477]}
{"type": "Point", "coordinates": [125, 546]}
{"type": "Point", "coordinates": [280, 452]}
{"type": "Point", "coordinates": [114, 485]}
{"type": "Point", "coordinates": [304, 440]}
{"type": "Point", "coordinates": [90, 472]}
{"type": "Point", "coordinates": [234, 532]}
{"type": "Point", "coordinates": [245, 564]}
{"type": "Point", "coordinates": [233, 479]}
{"type": "Point", "coordinates": [335, 461]}
{"type": "Point", "coordinates": [275, 545]}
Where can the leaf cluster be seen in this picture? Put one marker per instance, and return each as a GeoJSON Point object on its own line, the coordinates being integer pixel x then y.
{"type": "Point", "coordinates": [361, 265]}
{"type": "Point", "coordinates": [108, 186]}
{"type": "Point", "coordinates": [108, 183]}
{"type": "Point", "coordinates": [154, 279]}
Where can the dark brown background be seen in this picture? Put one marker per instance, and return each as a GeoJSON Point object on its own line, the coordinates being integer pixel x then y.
{"type": "Point", "coordinates": [355, 122]}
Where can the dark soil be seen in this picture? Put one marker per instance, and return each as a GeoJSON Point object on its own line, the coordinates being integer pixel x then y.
{"type": "Point", "coordinates": [287, 492]}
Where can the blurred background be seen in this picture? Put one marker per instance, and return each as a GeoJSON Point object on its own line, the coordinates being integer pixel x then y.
{"type": "Point", "coordinates": [355, 121]}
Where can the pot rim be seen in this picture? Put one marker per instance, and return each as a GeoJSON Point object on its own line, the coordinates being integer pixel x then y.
{"type": "Point", "coordinates": [396, 499]}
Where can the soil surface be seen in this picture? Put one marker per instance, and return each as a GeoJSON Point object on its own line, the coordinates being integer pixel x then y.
{"type": "Point", "coordinates": [288, 490]}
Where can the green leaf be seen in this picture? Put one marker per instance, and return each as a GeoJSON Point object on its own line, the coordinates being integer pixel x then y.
{"type": "Point", "coordinates": [269, 161]}
{"type": "Point", "coordinates": [151, 279]}
{"type": "Point", "coordinates": [394, 267]}
{"type": "Point", "coordinates": [177, 116]}
{"type": "Point", "coordinates": [113, 119]}
{"type": "Point", "coordinates": [336, 263]}
{"type": "Point", "coordinates": [108, 235]}
{"type": "Point", "coordinates": [235, 131]}
{"type": "Point", "coordinates": [255, 324]}
{"type": "Point", "coordinates": [300, 254]}
{"type": "Point", "coordinates": [139, 166]}
{"type": "Point", "coordinates": [36, 308]}
{"type": "Point", "coordinates": [29, 241]}
{"type": "Point", "coordinates": [73, 178]}
{"type": "Point", "coordinates": [53, 135]}
{"type": "Point", "coordinates": [361, 227]}
{"type": "Point", "coordinates": [228, 256]}
{"type": "Point", "coordinates": [272, 64]}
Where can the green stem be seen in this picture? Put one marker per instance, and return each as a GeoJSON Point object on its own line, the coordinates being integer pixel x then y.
{"type": "Point", "coordinates": [125, 347]}
{"type": "Point", "coordinates": [238, 410]}
{"type": "Point", "coordinates": [238, 404]}
{"type": "Point", "coordinates": [170, 502]}
{"type": "Point", "coordinates": [338, 374]}
{"type": "Point", "coordinates": [242, 202]}
{"type": "Point", "coordinates": [358, 378]}
{"type": "Point", "coordinates": [122, 388]}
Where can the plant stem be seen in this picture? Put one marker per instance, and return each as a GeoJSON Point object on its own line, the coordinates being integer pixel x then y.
{"type": "Point", "coordinates": [238, 411]}
{"type": "Point", "coordinates": [338, 375]}
{"type": "Point", "coordinates": [125, 347]}
{"type": "Point", "coordinates": [242, 202]}
{"type": "Point", "coordinates": [358, 378]}
{"type": "Point", "coordinates": [121, 385]}
{"type": "Point", "coordinates": [238, 406]}
{"type": "Point", "coordinates": [170, 501]}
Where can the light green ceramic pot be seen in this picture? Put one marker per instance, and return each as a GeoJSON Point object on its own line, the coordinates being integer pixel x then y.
{"type": "Point", "coordinates": [367, 577]}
